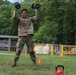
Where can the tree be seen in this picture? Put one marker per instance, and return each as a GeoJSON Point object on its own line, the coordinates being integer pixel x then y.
{"type": "Point", "coordinates": [62, 14]}
{"type": "Point", "coordinates": [5, 21]}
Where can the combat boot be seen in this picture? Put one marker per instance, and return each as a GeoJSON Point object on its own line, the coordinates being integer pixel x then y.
{"type": "Point", "coordinates": [14, 64]}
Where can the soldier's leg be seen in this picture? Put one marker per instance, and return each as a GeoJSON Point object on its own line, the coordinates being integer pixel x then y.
{"type": "Point", "coordinates": [30, 46]}
{"type": "Point", "coordinates": [19, 47]}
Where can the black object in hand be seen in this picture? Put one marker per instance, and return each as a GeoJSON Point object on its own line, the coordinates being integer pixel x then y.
{"type": "Point", "coordinates": [17, 5]}
{"type": "Point", "coordinates": [35, 6]}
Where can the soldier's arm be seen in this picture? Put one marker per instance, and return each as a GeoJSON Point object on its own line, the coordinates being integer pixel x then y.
{"type": "Point", "coordinates": [37, 13]}
{"type": "Point", "coordinates": [15, 16]}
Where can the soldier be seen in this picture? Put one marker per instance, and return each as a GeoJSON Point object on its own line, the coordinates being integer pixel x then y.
{"type": "Point", "coordinates": [25, 33]}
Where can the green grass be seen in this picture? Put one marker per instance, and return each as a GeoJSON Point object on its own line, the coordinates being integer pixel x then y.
{"type": "Point", "coordinates": [25, 66]}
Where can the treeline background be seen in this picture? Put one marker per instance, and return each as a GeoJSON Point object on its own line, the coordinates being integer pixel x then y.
{"type": "Point", "coordinates": [57, 20]}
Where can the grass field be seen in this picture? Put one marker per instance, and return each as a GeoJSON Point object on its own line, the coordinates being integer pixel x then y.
{"type": "Point", "coordinates": [25, 66]}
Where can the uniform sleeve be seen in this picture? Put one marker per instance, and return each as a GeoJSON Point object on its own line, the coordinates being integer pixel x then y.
{"type": "Point", "coordinates": [37, 13]}
{"type": "Point", "coordinates": [15, 17]}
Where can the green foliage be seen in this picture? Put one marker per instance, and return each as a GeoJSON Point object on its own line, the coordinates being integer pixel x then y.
{"type": "Point", "coordinates": [62, 13]}
{"type": "Point", "coordinates": [45, 32]}
{"type": "Point", "coordinates": [5, 21]}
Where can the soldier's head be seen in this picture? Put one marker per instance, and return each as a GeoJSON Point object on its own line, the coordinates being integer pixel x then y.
{"type": "Point", "coordinates": [24, 12]}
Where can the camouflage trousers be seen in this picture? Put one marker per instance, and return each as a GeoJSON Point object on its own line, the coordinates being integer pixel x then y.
{"type": "Point", "coordinates": [22, 40]}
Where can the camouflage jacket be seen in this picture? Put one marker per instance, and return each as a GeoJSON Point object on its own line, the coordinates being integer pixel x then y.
{"type": "Point", "coordinates": [25, 25]}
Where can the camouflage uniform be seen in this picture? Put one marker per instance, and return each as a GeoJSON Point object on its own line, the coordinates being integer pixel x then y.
{"type": "Point", "coordinates": [25, 32]}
